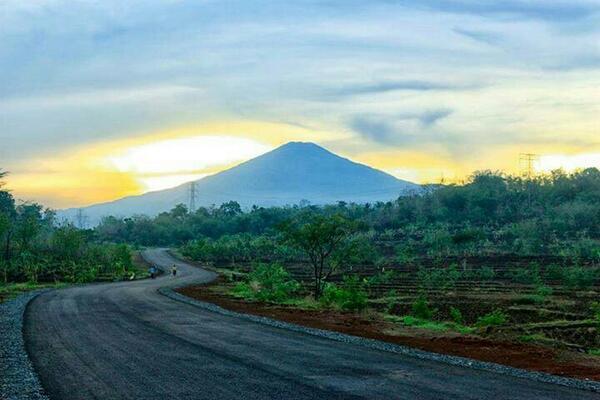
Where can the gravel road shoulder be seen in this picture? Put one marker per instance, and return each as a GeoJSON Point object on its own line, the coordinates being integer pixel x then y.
{"type": "Point", "coordinates": [18, 380]}
{"type": "Point", "coordinates": [389, 347]}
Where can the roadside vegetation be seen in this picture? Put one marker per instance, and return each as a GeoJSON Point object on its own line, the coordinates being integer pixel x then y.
{"type": "Point", "coordinates": [498, 256]}
{"type": "Point", "coordinates": [37, 251]}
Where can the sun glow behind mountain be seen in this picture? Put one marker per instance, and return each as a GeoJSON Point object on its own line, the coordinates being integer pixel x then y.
{"type": "Point", "coordinates": [167, 163]}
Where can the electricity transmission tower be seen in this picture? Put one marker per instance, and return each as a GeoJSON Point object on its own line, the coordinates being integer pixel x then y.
{"type": "Point", "coordinates": [192, 207]}
{"type": "Point", "coordinates": [81, 219]}
{"type": "Point", "coordinates": [527, 163]}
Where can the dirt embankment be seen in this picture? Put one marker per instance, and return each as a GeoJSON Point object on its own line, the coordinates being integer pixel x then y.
{"type": "Point", "coordinates": [372, 325]}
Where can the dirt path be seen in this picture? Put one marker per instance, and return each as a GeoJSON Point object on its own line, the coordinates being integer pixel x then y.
{"type": "Point", "coordinates": [126, 341]}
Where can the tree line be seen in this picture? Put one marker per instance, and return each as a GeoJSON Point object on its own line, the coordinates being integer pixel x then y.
{"type": "Point", "coordinates": [35, 247]}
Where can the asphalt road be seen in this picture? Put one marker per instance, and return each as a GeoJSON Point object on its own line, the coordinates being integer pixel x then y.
{"type": "Point", "coordinates": [126, 341]}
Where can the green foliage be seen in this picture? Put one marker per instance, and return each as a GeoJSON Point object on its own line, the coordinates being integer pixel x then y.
{"type": "Point", "coordinates": [580, 277]}
{"type": "Point", "coordinates": [595, 310]}
{"type": "Point", "coordinates": [527, 275]}
{"type": "Point", "coordinates": [438, 278]}
{"type": "Point", "coordinates": [495, 318]}
{"type": "Point", "coordinates": [409, 320]}
{"type": "Point", "coordinates": [326, 241]}
{"type": "Point", "coordinates": [456, 315]}
{"type": "Point", "coordinates": [575, 277]}
{"type": "Point", "coordinates": [267, 282]}
{"type": "Point", "coordinates": [423, 323]}
{"type": "Point", "coordinates": [351, 295]}
{"type": "Point", "coordinates": [420, 309]}
{"type": "Point", "coordinates": [486, 273]}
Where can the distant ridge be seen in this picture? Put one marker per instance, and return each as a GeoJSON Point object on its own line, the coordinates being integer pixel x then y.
{"type": "Point", "coordinates": [287, 175]}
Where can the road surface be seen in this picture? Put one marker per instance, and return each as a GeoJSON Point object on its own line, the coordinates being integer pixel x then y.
{"type": "Point", "coordinates": [126, 341]}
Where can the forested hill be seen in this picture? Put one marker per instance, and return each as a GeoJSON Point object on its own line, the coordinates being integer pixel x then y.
{"type": "Point", "coordinates": [556, 214]}
{"type": "Point", "coordinates": [288, 175]}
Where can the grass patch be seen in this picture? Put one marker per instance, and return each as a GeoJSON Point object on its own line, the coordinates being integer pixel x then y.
{"type": "Point", "coordinates": [11, 290]}
{"type": "Point", "coordinates": [594, 352]}
{"type": "Point", "coordinates": [536, 337]}
{"type": "Point", "coordinates": [409, 320]}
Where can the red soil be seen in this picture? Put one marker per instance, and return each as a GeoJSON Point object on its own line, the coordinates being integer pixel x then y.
{"type": "Point", "coordinates": [520, 355]}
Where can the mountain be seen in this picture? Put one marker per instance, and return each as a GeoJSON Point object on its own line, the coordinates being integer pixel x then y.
{"type": "Point", "coordinates": [287, 175]}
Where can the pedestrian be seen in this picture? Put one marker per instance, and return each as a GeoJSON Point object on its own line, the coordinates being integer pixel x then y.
{"type": "Point", "coordinates": [152, 271]}
{"type": "Point", "coordinates": [174, 270]}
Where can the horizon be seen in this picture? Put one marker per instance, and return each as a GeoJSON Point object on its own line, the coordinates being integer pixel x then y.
{"type": "Point", "coordinates": [117, 101]}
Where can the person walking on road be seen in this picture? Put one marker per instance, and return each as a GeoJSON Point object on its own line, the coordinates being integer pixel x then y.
{"type": "Point", "coordinates": [174, 270]}
{"type": "Point", "coordinates": [152, 271]}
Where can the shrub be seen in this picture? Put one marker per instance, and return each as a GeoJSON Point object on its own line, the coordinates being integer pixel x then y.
{"type": "Point", "coordinates": [554, 272]}
{"type": "Point", "coordinates": [495, 318]}
{"type": "Point", "coordinates": [529, 275]}
{"type": "Point", "coordinates": [579, 277]}
{"type": "Point", "coordinates": [267, 282]}
{"type": "Point", "coordinates": [420, 309]}
{"type": "Point", "coordinates": [544, 291]}
{"type": "Point", "coordinates": [438, 278]}
{"type": "Point", "coordinates": [351, 295]}
{"type": "Point", "coordinates": [595, 309]}
{"type": "Point", "coordinates": [486, 273]}
{"type": "Point", "coordinates": [456, 315]}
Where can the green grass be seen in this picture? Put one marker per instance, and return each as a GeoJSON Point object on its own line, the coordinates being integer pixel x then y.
{"type": "Point", "coordinates": [11, 290]}
{"type": "Point", "coordinates": [409, 320]}
{"type": "Point", "coordinates": [594, 352]}
{"type": "Point", "coordinates": [533, 338]}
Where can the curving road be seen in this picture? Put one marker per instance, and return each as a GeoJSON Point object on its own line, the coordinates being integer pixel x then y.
{"type": "Point", "coordinates": [126, 341]}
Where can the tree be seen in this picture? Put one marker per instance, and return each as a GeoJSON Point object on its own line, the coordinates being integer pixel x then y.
{"type": "Point", "coordinates": [29, 223]}
{"type": "Point", "coordinates": [230, 209]}
{"type": "Point", "coordinates": [322, 239]}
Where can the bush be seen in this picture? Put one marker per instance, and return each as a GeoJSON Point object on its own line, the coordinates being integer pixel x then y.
{"type": "Point", "coordinates": [595, 309]}
{"type": "Point", "coordinates": [495, 318]}
{"type": "Point", "coordinates": [486, 273]}
{"type": "Point", "coordinates": [421, 309]}
{"type": "Point", "coordinates": [438, 278]}
{"type": "Point", "coordinates": [456, 315]}
{"type": "Point", "coordinates": [267, 282]}
{"type": "Point", "coordinates": [351, 295]}
{"type": "Point", "coordinates": [579, 277]}
{"type": "Point", "coordinates": [544, 291]}
{"type": "Point", "coordinates": [528, 276]}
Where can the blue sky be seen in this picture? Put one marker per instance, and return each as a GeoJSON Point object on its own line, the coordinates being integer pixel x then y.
{"type": "Point", "coordinates": [418, 88]}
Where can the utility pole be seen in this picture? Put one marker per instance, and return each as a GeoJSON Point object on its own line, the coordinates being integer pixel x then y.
{"type": "Point", "coordinates": [192, 207]}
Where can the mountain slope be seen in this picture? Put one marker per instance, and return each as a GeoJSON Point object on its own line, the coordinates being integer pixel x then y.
{"type": "Point", "coordinates": [293, 172]}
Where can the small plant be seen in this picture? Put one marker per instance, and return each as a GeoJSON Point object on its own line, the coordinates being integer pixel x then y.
{"type": "Point", "coordinates": [421, 309]}
{"type": "Point", "coordinates": [351, 295]}
{"type": "Point", "coordinates": [495, 318]}
{"type": "Point", "coordinates": [456, 315]}
{"type": "Point", "coordinates": [540, 295]}
{"type": "Point", "coordinates": [595, 309]}
{"type": "Point", "coordinates": [528, 276]}
{"type": "Point", "coordinates": [267, 282]}
{"type": "Point", "coordinates": [486, 273]}
{"type": "Point", "coordinates": [580, 277]}
{"type": "Point", "coordinates": [544, 291]}
{"type": "Point", "coordinates": [532, 338]}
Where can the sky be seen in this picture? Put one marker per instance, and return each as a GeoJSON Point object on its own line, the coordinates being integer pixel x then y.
{"type": "Point", "coordinates": [104, 99]}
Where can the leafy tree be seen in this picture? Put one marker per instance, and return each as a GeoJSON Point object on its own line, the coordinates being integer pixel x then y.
{"type": "Point", "coordinates": [322, 239]}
